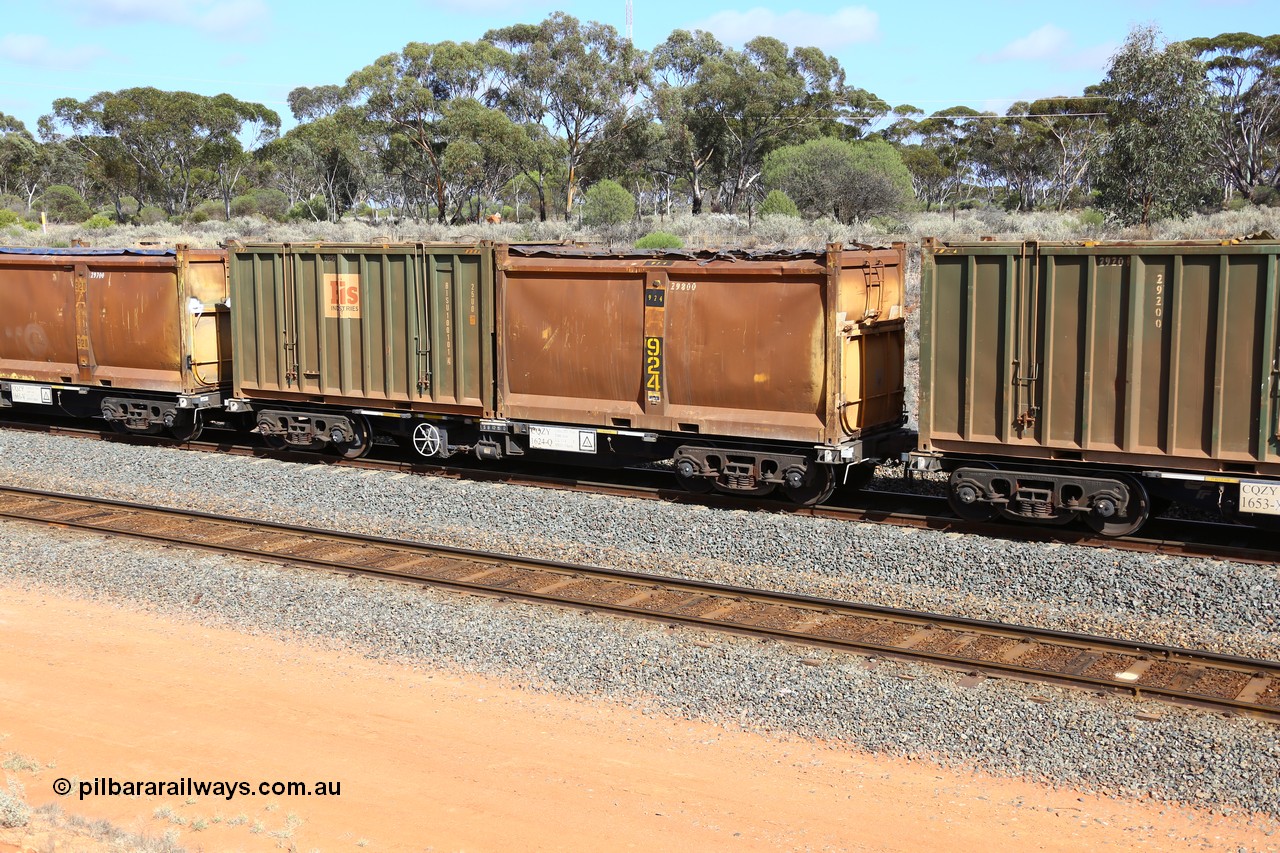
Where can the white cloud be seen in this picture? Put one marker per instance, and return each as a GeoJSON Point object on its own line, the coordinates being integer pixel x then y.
{"type": "Point", "coordinates": [243, 18]}
{"type": "Point", "coordinates": [1056, 47]}
{"type": "Point", "coordinates": [850, 25]}
{"type": "Point", "coordinates": [1043, 43]}
{"type": "Point", "coordinates": [38, 52]}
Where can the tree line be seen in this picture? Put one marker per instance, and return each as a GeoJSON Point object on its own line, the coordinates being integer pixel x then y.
{"type": "Point", "coordinates": [521, 120]}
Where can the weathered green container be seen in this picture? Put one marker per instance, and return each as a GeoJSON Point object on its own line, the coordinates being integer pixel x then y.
{"type": "Point", "coordinates": [1147, 355]}
{"type": "Point", "coordinates": [398, 326]}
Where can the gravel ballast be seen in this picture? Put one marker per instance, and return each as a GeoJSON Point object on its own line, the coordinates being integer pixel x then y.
{"type": "Point", "coordinates": [1184, 755]}
{"type": "Point", "coordinates": [1196, 603]}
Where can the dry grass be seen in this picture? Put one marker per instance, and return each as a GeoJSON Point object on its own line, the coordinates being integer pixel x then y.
{"type": "Point", "coordinates": [709, 231]}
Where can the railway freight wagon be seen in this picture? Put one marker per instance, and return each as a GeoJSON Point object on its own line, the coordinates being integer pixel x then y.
{"type": "Point", "coordinates": [139, 337]}
{"type": "Point", "coordinates": [1095, 381]}
{"type": "Point", "coordinates": [751, 371]}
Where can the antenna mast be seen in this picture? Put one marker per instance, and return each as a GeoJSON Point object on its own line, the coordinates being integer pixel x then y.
{"type": "Point", "coordinates": [629, 23]}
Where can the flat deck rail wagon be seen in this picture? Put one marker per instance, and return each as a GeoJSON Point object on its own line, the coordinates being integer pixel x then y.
{"type": "Point", "coordinates": [1097, 380]}
{"type": "Point", "coordinates": [137, 336]}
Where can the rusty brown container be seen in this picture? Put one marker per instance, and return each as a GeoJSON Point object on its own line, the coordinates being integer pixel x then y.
{"type": "Point", "coordinates": [1154, 355]}
{"type": "Point", "coordinates": [401, 326]}
{"type": "Point", "coordinates": [802, 347]}
{"type": "Point", "coordinates": [140, 320]}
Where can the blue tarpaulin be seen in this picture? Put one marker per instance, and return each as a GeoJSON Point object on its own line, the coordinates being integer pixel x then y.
{"type": "Point", "coordinates": [16, 250]}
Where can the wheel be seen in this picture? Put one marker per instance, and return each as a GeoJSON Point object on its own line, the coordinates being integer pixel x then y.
{"type": "Point", "coordinates": [427, 439]}
{"type": "Point", "coordinates": [359, 445]}
{"type": "Point", "coordinates": [687, 476]}
{"type": "Point", "coordinates": [1128, 524]}
{"type": "Point", "coordinates": [962, 498]}
{"type": "Point", "coordinates": [187, 427]}
{"type": "Point", "coordinates": [816, 489]}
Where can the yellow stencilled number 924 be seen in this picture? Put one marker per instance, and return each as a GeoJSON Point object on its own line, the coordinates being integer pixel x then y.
{"type": "Point", "coordinates": [653, 365]}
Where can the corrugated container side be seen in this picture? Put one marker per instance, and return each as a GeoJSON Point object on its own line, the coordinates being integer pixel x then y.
{"type": "Point", "coordinates": [402, 326]}
{"type": "Point", "coordinates": [1144, 353]}
{"type": "Point", "coordinates": [804, 348]}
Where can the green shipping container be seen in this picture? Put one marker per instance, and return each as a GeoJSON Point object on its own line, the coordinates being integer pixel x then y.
{"type": "Point", "coordinates": [403, 327]}
{"type": "Point", "coordinates": [1139, 355]}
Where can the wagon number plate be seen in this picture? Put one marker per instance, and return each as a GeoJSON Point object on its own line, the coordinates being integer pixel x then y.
{"type": "Point", "coordinates": [561, 438]}
{"type": "Point", "coordinates": [1260, 496]}
{"type": "Point", "coordinates": [41, 395]}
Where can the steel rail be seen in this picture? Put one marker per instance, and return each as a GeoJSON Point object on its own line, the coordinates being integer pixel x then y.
{"type": "Point", "coordinates": [1208, 679]}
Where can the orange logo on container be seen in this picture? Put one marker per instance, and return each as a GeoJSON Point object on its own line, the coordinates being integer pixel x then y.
{"type": "Point", "coordinates": [342, 295]}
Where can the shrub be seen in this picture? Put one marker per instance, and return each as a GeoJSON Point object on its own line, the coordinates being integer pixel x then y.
{"type": "Point", "coordinates": [778, 203]}
{"type": "Point", "coordinates": [1265, 196]}
{"type": "Point", "coordinates": [152, 215]}
{"type": "Point", "coordinates": [272, 203]}
{"type": "Point", "coordinates": [63, 204]}
{"type": "Point", "coordinates": [608, 203]}
{"type": "Point", "coordinates": [8, 217]}
{"type": "Point", "coordinates": [1092, 218]}
{"type": "Point", "coordinates": [206, 210]}
{"type": "Point", "coordinates": [314, 209]}
{"type": "Point", "coordinates": [14, 810]}
{"type": "Point", "coordinates": [244, 205]}
{"type": "Point", "coordinates": [660, 240]}
{"type": "Point", "coordinates": [98, 222]}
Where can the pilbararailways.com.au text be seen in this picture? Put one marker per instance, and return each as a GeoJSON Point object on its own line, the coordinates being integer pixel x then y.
{"type": "Point", "coordinates": [107, 786]}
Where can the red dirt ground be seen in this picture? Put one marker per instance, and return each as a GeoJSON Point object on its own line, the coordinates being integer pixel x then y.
{"type": "Point", "coordinates": [435, 761]}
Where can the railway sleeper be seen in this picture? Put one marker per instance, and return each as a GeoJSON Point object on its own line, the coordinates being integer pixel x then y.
{"type": "Point", "coordinates": [1112, 504]}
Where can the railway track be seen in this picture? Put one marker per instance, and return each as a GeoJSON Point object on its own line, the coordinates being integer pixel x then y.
{"type": "Point", "coordinates": [982, 649]}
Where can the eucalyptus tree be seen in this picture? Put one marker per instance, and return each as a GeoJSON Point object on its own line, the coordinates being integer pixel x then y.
{"type": "Point", "coordinates": [1072, 126]}
{"type": "Point", "coordinates": [1157, 158]}
{"type": "Point", "coordinates": [581, 80]}
{"type": "Point", "coordinates": [937, 150]}
{"type": "Point", "coordinates": [167, 136]}
{"type": "Point", "coordinates": [331, 152]}
{"type": "Point", "coordinates": [426, 98]}
{"type": "Point", "coordinates": [766, 96]}
{"type": "Point", "coordinates": [693, 141]}
{"type": "Point", "coordinates": [25, 164]}
{"type": "Point", "coordinates": [481, 158]}
{"type": "Point", "coordinates": [1015, 152]}
{"type": "Point", "coordinates": [1244, 78]}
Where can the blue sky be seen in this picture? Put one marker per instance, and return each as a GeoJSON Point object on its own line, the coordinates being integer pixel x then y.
{"type": "Point", "coordinates": [930, 54]}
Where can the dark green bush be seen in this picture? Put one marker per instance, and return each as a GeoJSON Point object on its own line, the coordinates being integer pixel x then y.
{"type": "Point", "coordinates": [778, 203]}
{"type": "Point", "coordinates": [660, 240]}
{"type": "Point", "coordinates": [152, 215]}
{"type": "Point", "coordinates": [61, 203]}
